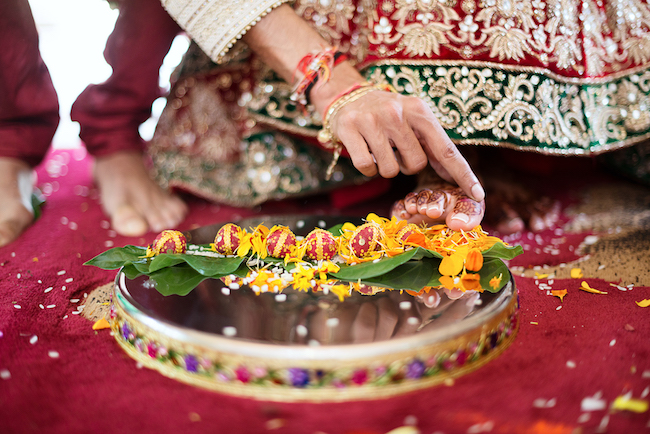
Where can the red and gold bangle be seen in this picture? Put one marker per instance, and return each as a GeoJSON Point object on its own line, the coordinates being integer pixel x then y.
{"type": "Point", "coordinates": [325, 136]}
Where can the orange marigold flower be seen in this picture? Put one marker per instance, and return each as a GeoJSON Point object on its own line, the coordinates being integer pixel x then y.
{"type": "Point", "coordinates": [474, 260]}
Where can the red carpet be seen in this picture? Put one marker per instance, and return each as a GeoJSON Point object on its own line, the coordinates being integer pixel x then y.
{"type": "Point", "coordinates": [58, 375]}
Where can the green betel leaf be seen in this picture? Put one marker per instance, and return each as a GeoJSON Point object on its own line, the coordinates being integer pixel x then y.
{"type": "Point", "coordinates": [130, 271]}
{"type": "Point", "coordinates": [411, 275]}
{"type": "Point", "coordinates": [142, 266]}
{"type": "Point", "coordinates": [209, 266]}
{"type": "Point", "coordinates": [367, 270]}
{"type": "Point", "coordinates": [494, 267]}
{"type": "Point", "coordinates": [165, 260]}
{"type": "Point", "coordinates": [501, 251]}
{"type": "Point", "coordinates": [336, 230]}
{"type": "Point", "coordinates": [117, 257]}
{"type": "Point", "coordinates": [177, 280]}
{"type": "Point", "coordinates": [426, 253]}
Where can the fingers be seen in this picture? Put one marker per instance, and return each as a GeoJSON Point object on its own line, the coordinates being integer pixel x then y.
{"type": "Point", "coordinates": [364, 325]}
{"type": "Point", "coordinates": [443, 155]}
{"type": "Point", "coordinates": [375, 133]}
{"type": "Point", "coordinates": [372, 126]}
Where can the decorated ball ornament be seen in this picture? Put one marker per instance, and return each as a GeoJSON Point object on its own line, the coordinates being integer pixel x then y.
{"type": "Point", "coordinates": [403, 234]}
{"type": "Point", "coordinates": [279, 241]}
{"type": "Point", "coordinates": [228, 239]}
{"type": "Point", "coordinates": [320, 245]}
{"type": "Point", "coordinates": [167, 242]}
{"type": "Point", "coordinates": [366, 240]}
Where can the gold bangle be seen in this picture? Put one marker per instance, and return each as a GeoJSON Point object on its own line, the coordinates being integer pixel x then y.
{"type": "Point", "coordinates": [325, 135]}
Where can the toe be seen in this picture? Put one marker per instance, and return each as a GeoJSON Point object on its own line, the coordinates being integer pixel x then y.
{"type": "Point", "coordinates": [127, 221]}
{"type": "Point", "coordinates": [410, 203]}
{"type": "Point", "coordinates": [466, 213]}
{"type": "Point", "coordinates": [399, 210]}
{"type": "Point", "coordinates": [505, 219]}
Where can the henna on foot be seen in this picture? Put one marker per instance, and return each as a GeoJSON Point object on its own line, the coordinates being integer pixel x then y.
{"type": "Point", "coordinates": [441, 203]}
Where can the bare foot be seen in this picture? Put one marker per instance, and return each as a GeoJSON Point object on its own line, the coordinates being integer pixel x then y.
{"type": "Point", "coordinates": [442, 202]}
{"type": "Point", "coordinates": [16, 212]}
{"type": "Point", "coordinates": [511, 207]}
{"type": "Point", "coordinates": [133, 201]}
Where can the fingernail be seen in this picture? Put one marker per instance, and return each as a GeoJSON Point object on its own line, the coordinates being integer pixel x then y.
{"type": "Point", "coordinates": [460, 216]}
{"type": "Point", "coordinates": [477, 192]}
{"type": "Point", "coordinates": [434, 207]}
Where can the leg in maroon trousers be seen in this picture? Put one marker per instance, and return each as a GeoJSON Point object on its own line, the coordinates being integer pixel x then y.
{"type": "Point", "coordinates": [29, 115]}
{"type": "Point", "coordinates": [110, 113]}
{"type": "Point", "coordinates": [29, 108]}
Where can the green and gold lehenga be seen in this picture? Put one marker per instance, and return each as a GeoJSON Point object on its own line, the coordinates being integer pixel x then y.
{"type": "Point", "coordinates": [557, 77]}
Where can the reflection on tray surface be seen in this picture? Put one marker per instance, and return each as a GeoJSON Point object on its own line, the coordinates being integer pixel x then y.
{"type": "Point", "coordinates": [304, 318]}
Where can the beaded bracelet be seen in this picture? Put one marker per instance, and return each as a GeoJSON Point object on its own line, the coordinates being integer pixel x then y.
{"type": "Point", "coordinates": [315, 67]}
{"type": "Point", "coordinates": [325, 136]}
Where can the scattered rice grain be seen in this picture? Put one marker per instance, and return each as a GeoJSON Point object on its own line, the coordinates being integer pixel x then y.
{"type": "Point", "coordinates": [33, 339]}
{"type": "Point", "coordinates": [53, 354]}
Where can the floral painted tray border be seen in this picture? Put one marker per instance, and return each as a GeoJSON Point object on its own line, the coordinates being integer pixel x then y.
{"type": "Point", "coordinates": [327, 380]}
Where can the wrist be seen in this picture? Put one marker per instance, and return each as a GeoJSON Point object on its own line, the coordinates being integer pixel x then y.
{"type": "Point", "coordinates": [343, 77]}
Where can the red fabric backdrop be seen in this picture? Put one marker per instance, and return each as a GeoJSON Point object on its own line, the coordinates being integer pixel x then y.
{"type": "Point", "coordinates": [538, 385]}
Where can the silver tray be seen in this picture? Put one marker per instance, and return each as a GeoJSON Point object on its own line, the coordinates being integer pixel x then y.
{"type": "Point", "coordinates": [299, 346]}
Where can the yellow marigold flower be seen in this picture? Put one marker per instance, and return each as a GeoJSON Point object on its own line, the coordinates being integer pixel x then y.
{"type": "Point", "coordinates": [302, 277]}
{"type": "Point", "coordinates": [326, 267]}
{"type": "Point", "coordinates": [254, 242]}
{"type": "Point", "coordinates": [496, 281]}
{"type": "Point", "coordinates": [342, 290]}
{"type": "Point", "coordinates": [451, 265]}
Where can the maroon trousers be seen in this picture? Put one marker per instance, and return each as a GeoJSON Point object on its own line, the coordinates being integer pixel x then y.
{"type": "Point", "coordinates": [109, 113]}
{"type": "Point", "coordinates": [29, 109]}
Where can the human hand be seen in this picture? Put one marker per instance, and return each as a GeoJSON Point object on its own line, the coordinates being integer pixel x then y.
{"type": "Point", "coordinates": [386, 133]}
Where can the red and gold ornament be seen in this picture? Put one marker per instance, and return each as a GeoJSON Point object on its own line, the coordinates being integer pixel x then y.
{"type": "Point", "coordinates": [365, 239]}
{"type": "Point", "coordinates": [320, 245]}
{"type": "Point", "coordinates": [168, 241]}
{"type": "Point", "coordinates": [403, 234]}
{"type": "Point", "coordinates": [227, 239]}
{"type": "Point", "coordinates": [279, 241]}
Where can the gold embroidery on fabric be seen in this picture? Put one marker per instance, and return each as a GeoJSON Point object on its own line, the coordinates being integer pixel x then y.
{"type": "Point", "coordinates": [527, 108]}
{"type": "Point", "coordinates": [614, 37]}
